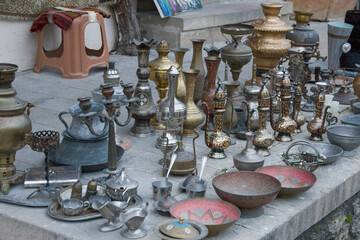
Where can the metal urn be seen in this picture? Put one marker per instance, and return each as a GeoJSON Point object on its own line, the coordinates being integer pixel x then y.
{"type": "Point", "coordinates": [284, 125]}
{"type": "Point", "coordinates": [171, 113]}
{"type": "Point", "coordinates": [218, 141]}
{"type": "Point", "coordinates": [14, 125]}
{"type": "Point", "coordinates": [144, 109]}
{"type": "Point", "coordinates": [263, 139]}
{"type": "Point", "coordinates": [197, 63]}
{"type": "Point", "coordinates": [158, 73]}
{"type": "Point", "coordinates": [268, 42]}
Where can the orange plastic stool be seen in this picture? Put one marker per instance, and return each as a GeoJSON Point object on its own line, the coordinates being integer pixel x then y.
{"type": "Point", "coordinates": [72, 57]}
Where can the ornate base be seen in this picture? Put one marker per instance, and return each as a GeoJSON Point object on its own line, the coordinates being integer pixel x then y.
{"type": "Point", "coordinates": [217, 154]}
{"type": "Point", "coordinates": [111, 226]}
{"type": "Point", "coordinates": [15, 179]}
{"type": "Point", "coordinates": [251, 212]}
{"type": "Point", "coordinates": [156, 125]}
{"type": "Point", "coordinates": [133, 234]}
{"type": "Point", "coordinates": [142, 128]}
{"type": "Point", "coordinates": [284, 137]}
{"type": "Point", "coordinates": [316, 137]}
{"type": "Point", "coordinates": [263, 151]}
{"type": "Point", "coordinates": [307, 107]}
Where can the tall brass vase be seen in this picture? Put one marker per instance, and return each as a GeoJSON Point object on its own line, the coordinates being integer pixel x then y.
{"type": "Point", "coordinates": [195, 116]}
{"type": "Point", "coordinates": [197, 63]}
{"type": "Point", "coordinates": [180, 87]}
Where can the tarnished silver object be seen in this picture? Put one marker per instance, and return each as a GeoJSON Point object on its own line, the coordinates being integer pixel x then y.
{"type": "Point", "coordinates": [345, 136]}
{"type": "Point", "coordinates": [248, 159]}
{"type": "Point", "coordinates": [330, 151]}
{"type": "Point", "coordinates": [198, 188]}
{"type": "Point", "coordinates": [191, 179]}
{"type": "Point", "coordinates": [163, 188]}
{"type": "Point", "coordinates": [74, 207]}
{"type": "Point", "coordinates": [121, 187]}
{"type": "Point", "coordinates": [133, 219]}
{"type": "Point", "coordinates": [112, 75]}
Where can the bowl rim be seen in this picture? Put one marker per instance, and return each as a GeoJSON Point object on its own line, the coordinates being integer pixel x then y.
{"type": "Point", "coordinates": [254, 196]}
{"type": "Point", "coordinates": [212, 200]}
{"type": "Point", "coordinates": [350, 117]}
{"type": "Point", "coordinates": [327, 144]}
{"type": "Point", "coordinates": [342, 125]}
{"type": "Point", "coordinates": [299, 169]}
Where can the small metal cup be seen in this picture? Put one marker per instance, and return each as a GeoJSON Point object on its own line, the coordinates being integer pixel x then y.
{"type": "Point", "coordinates": [196, 190]}
{"type": "Point", "coordinates": [74, 207]}
{"type": "Point", "coordinates": [161, 189]}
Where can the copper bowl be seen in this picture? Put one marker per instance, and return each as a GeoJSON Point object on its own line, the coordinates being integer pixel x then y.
{"type": "Point", "coordinates": [293, 180]}
{"type": "Point", "coordinates": [246, 189]}
{"type": "Point", "coordinates": [216, 215]}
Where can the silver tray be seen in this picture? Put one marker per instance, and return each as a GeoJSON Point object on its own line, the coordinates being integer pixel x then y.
{"type": "Point", "coordinates": [54, 211]}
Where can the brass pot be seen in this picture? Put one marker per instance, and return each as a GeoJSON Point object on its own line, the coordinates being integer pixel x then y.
{"type": "Point", "coordinates": [268, 42]}
{"type": "Point", "coordinates": [194, 116]}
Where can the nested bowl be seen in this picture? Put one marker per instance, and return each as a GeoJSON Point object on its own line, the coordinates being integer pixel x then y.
{"type": "Point", "coordinates": [246, 189]}
{"type": "Point", "coordinates": [216, 215]}
{"type": "Point", "coordinates": [293, 180]}
{"type": "Point", "coordinates": [345, 136]}
{"type": "Point", "coordinates": [330, 151]}
{"type": "Point", "coordinates": [351, 120]}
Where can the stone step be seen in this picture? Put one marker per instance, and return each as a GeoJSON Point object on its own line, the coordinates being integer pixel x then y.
{"type": "Point", "coordinates": [204, 23]}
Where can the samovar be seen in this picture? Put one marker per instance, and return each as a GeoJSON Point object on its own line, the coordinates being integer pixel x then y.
{"type": "Point", "coordinates": [263, 139]}
{"type": "Point", "coordinates": [144, 109]}
{"type": "Point", "coordinates": [194, 115]}
{"type": "Point", "coordinates": [158, 68]}
{"type": "Point", "coordinates": [317, 126]}
{"type": "Point", "coordinates": [14, 125]}
{"type": "Point", "coordinates": [180, 87]}
{"type": "Point", "coordinates": [284, 125]}
{"type": "Point", "coordinates": [218, 141]}
{"type": "Point", "coordinates": [171, 113]}
{"type": "Point", "coordinates": [197, 63]}
{"type": "Point", "coordinates": [268, 42]}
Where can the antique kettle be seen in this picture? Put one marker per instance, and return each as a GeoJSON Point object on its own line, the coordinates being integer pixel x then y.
{"type": "Point", "coordinates": [79, 112]}
{"type": "Point", "coordinates": [218, 141]}
{"type": "Point", "coordinates": [121, 187]}
{"type": "Point", "coordinates": [14, 125]}
{"type": "Point", "coordinates": [317, 126]}
{"type": "Point", "coordinates": [285, 125]}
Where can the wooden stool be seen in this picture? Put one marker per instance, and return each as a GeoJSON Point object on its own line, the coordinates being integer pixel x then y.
{"type": "Point", "coordinates": [72, 57]}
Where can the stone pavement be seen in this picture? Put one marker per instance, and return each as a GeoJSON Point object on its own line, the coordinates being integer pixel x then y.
{"type": "Point", "coordinates": [282, 219]}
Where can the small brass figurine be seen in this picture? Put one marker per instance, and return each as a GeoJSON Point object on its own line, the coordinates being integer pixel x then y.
{"type": "Point", "coordinates": [218, 141]}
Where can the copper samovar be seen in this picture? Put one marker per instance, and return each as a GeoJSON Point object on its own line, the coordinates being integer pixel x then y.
{"type": "Point", "coordinates": [218, 141]}
{"type": "Point", "coordinates": [14, 125]}
{"type": "Point", "coordinates": [285, 125]}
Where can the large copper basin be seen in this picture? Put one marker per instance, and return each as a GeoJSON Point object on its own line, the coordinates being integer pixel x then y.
{"type": "Point", "coordinates": [246, 189]}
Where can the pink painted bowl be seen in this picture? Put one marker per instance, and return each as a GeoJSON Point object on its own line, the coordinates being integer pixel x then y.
{"type": "Point", "coordinates": [293, 180]}
{"type": "Point", "coordinates": [216, 215]}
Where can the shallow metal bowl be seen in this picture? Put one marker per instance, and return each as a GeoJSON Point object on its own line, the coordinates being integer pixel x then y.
{"type": "Point", "coordinates": [356, 108]}
{"type": "Point", "coordinates": [330, 151]}
{"type": "Point", "coordinates": [345, 136]}
{"type": "Point", "coordinates": [246, 189]}
{"type": "Point", "coordinates": [293, 180]}
{"type": "Point", "coordinates": [351, 120]}
{"type": "Point", "coordinates": [216, 215]}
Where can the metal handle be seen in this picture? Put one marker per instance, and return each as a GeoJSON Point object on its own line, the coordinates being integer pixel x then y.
{"type": "Point", "coordinates": [127, 120]}
{"type": "Point", "coordinates": [62, 120]}
{"type": "Point", "coordinates": [197, 136]}
{"type": "Point", "coordinates": [302, 143]}
{"type": "Point", "coordinates": [28, 106]}
{"type": "Point", "coordinates": [172, 161]}
{"type": "Point", "coordinates": [203, 163]}
{"type": "Point", "coordinates": [91, 129]}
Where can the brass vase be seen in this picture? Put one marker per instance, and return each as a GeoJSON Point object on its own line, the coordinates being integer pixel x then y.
{"type": "Point", "coordinates": [297, 115]}
{"type": "Point", "coordinates": [180, 87]}
{"type": "Point", "coordinates": [218, 141]}
{"type": "Point", "coordinates": [14, 125]}
{"type": "Point", "coordinates": [197, 63]}
{"type": "Point", "coordinates": [230, 117]}
{"type": "Point", "coordinates": [268, 42]}
{"type": "Point", "coordinates": [263, 139]}
{"type": "Point", "coordinates": [194, 116]}
{"type": "Point", "coordinates": [158, 68]}
{"type": "Point", "coordinates": [143, 109]}
{"type": "Point", "coordinates": [212, 65]}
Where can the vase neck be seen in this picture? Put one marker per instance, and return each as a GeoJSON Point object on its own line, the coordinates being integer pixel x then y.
{"type": "Point", "coordinates": [179, 58]}
{"type": "Point", "coordinates": [212, 68]}
{"type": "Point", "coordinates": [190, 85]}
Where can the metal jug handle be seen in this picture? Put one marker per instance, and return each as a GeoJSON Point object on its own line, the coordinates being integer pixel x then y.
{"type": "Point", "coordinates": [28, 106]}
{"type": "Point", "coordinates": [127, 120]}
{"type": "Point", "coordinates": [62, 120]}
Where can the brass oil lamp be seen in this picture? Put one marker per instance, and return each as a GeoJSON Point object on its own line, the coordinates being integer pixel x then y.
{"type": "Point", "coordinates": [143, 109]}
{"type": "Point", "coordinates": [285, 125]}
{"type": "Point", "coordinates": [263, 139]}
{"type": "Point", "coordinates": [14, 125]}
{"type": "Point", "coordinates": [218, 141]}
{"type": "Point", "coordinates": [317, 126]}
{"type": "Point", "coordinates": [158, 68]}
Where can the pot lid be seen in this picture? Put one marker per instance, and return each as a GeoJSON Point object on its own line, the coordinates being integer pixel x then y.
{"type": "Point", "coordinates": [122, 181]}
{"type": "Point", "coordinates": [179, 229]}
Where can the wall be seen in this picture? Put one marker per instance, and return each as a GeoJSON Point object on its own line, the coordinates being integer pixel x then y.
{"type": "Point", "coordinates": [18, 45]}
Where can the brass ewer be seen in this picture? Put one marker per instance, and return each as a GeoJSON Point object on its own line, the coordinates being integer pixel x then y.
{"type": "Point", "coordinates": [180, 86]}
{"type": "Point", "coordinates": [195, 115]}
{"type": "Point", "coordinates": [158, 68]}
{"type": "Point", "coordinates": [218, 141]}
{"type": "Point", "coordinates": [143, 109]}
{"type": "Point", "coordinates": [263, 139]}
{"type": "Point", "coordinates": [285, 125]}
{"type": "Point", "coordinates": [14, 125]}
{"type": "Point", "coordinates": [268, 43]}
{"type": "Point", "coordinates": [317, 126]}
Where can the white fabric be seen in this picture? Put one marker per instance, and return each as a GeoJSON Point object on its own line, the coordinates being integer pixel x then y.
{"type": "Point", "coordinates": [92, 14]}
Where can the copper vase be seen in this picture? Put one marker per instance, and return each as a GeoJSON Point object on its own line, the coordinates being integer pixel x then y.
{"type": "Point", "coordinates": [212, 65]}
{"type": "Point", "coordinates": [268, 42]}
{"type": "Point", "coordinates": [180, 87]}
{"type": "Point", "coordinates": [195, 116]}
{"type": "Point", "coordinates": [197, 63]}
